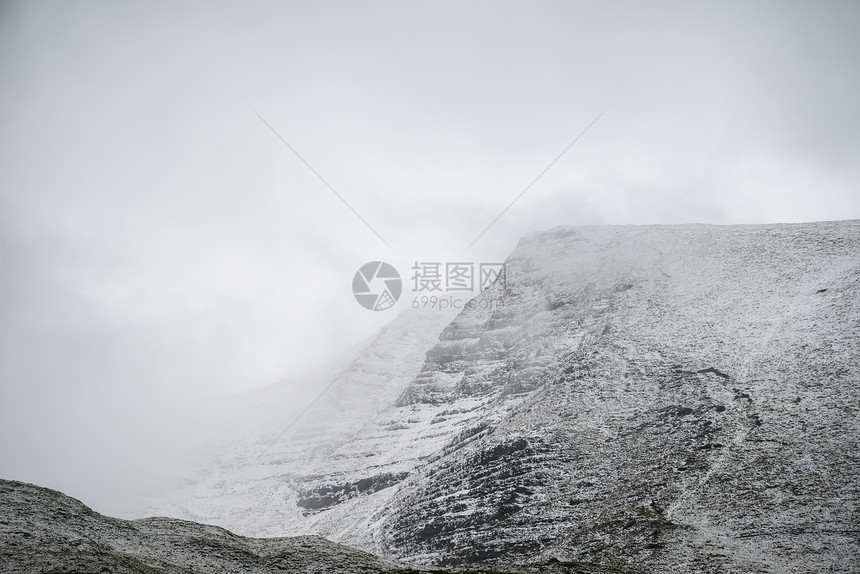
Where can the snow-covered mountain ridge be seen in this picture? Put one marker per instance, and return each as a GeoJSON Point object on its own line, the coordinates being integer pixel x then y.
{"type": "Point", "coordinates": [674, 398]}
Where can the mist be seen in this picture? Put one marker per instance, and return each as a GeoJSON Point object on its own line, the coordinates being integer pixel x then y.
{"type": "Point", "coordinates": [162, 249]}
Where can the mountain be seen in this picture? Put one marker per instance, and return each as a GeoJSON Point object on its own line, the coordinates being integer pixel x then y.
{"type": "Point", "coordinates": [269, 453]}
{"type": "Point", "coordinates": [42, 530]}
{"type": "Point", "coordinates": [665, 398]}
{"type": "Point", "coordinates": [45, 531]}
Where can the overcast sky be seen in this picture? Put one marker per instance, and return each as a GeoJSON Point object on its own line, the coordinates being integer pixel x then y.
{"type": "Point", "coordinates": [159, 244]}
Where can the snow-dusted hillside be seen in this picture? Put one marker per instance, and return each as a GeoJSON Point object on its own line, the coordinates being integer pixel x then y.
{"type": "Point", "coordinates": [42, 530]}
{"type": "Point", "coordinates": [685, 398]}
{"type": "Point", "coordinates": [678, 398]}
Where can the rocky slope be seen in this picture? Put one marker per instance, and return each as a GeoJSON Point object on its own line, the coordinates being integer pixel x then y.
{"type": "Point", "coordinates": [685, 398]}
{"type": "Point", "coordinates": [671, 398]}
{"type": "Point", "coordinates": [43, 530]}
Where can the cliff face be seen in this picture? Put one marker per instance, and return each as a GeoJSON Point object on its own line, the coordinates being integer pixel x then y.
{"type": "Point", "coordinates": [674, 398]}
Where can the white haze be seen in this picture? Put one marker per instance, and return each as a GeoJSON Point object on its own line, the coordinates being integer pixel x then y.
{"type": "Point", "coordinates": [160, 247]}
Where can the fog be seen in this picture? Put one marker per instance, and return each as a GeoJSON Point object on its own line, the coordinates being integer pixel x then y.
{"type": "Point", "coordinates": [163, 245]}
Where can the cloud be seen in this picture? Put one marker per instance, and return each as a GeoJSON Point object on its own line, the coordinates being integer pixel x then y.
{"type": "Point", "coordinates": [160, 245]}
